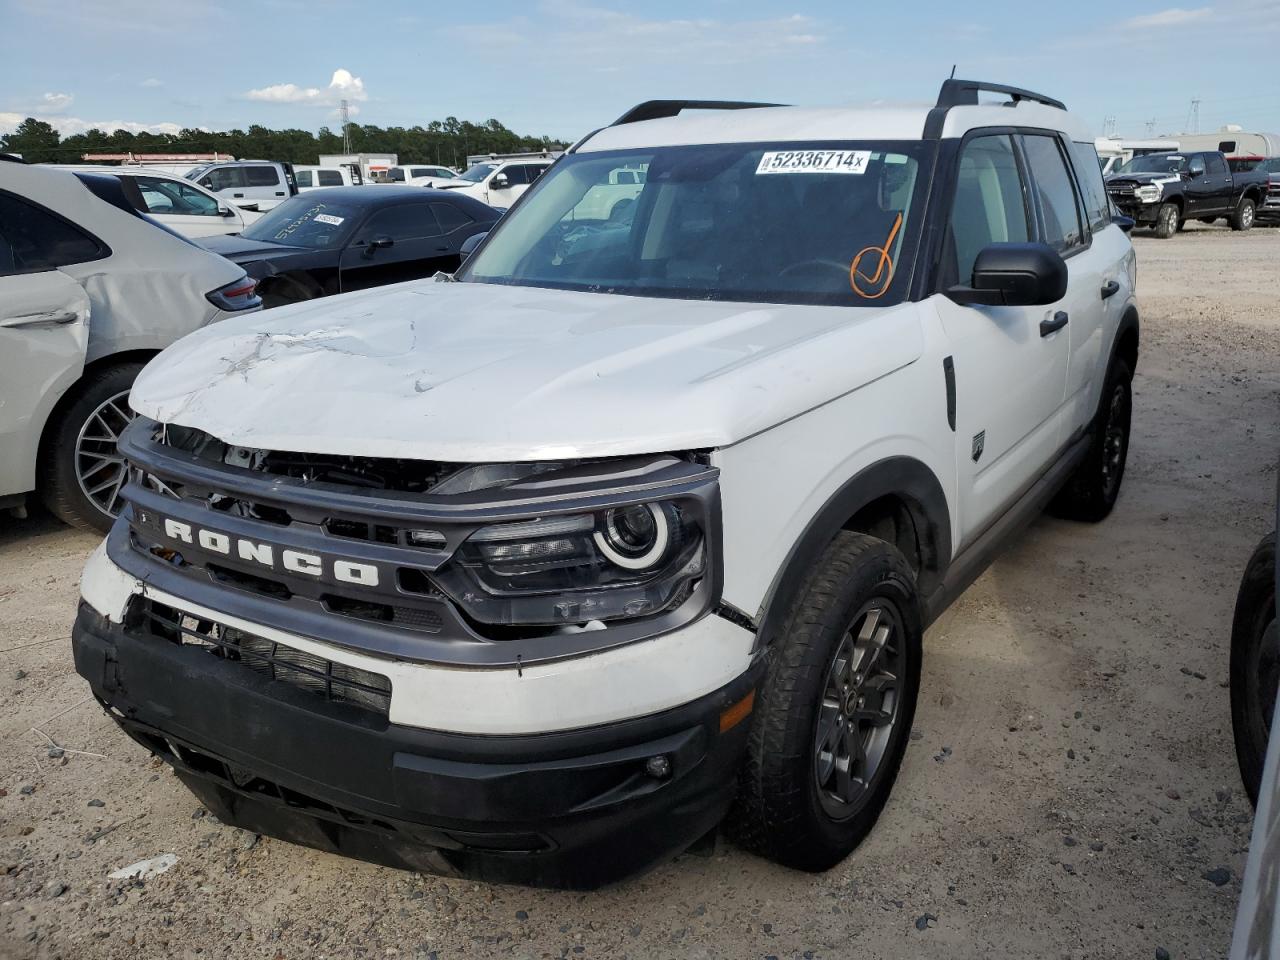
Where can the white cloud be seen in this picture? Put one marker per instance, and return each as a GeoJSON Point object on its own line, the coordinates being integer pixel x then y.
{"type": "Point", "coordinates": [68, 126]}
{"type": "Point", "coordinates": [151, 82]}
{"type": "Point", "coordinates": [1172, 17]}
{"type": "Point", "coordinates": [55, 102]}
{"type": "Point", "coordinates": [343, 86]}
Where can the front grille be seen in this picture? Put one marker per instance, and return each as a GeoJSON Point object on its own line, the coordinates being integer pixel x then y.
{"type": "Point", "coordinates": [335, 682]}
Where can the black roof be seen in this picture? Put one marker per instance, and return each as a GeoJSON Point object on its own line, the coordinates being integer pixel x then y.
{"type": "Point", "coordinates": [372, 196]}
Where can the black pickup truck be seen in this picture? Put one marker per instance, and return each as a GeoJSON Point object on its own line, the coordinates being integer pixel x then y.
{"type": "Point", "coordinates": [1165, 190]}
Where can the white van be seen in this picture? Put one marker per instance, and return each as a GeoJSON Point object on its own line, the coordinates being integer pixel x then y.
{"type": "Point", "coordinates": [252, 184]}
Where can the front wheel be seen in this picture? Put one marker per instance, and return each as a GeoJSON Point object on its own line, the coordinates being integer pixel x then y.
{"type": "Point", "coordinates": [1092, 491]}
{"type": "Point", "coordinates": [834, 710]}
{"type": "Point", "coordinates": [1167, 218]}
{"type": "Point", "coordinates": [1242, 218]}
{"type": "Point", "coordinates": [81, 471]}
{"type": "Point", "coordinates": [1255, 664]}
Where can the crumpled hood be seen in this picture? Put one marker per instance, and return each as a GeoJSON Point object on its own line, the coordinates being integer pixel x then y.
{"type": "Point", "coordinates": [478, 372]}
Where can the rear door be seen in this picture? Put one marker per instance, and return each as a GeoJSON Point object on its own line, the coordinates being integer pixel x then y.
{"type": "Point", "coordinates": [44, 333]}
{"type": "Point", "coordinates": [1010, 381]}
{"type": "Point", "coordinates": [399, 243]}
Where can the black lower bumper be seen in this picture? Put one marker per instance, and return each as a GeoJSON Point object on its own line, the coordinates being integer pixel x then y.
{"type": "Point", "coordinates": [569, 809]}
{"type": "Point", "coordinates": [1144, 213]}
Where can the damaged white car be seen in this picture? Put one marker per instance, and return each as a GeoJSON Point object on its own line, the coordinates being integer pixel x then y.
{"type": "Point", "coordinates": [540, 572]}
{"type": "Point", "coordinates": [90, 290]}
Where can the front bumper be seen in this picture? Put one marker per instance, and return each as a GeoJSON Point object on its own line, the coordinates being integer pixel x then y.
{"type": "Point", "coordinates": [574, 808]}
{"type": "Point", "coordinates": [1269, 211]}
{"type": "Point", "coordinates": [1143, 213]}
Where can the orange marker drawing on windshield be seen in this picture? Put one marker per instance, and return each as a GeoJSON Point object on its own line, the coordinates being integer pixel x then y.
{"type": "Point", "coordinates": [869, 286]}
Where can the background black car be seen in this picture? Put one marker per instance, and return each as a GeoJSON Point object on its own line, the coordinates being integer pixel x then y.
{"type": "Point", "coordinates": [350, 238]}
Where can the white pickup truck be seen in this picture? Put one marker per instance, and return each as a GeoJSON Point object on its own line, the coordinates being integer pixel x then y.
{"type": "Point", "coordinates": [540, 571]}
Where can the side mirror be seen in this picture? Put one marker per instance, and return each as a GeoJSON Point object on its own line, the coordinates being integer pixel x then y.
{"type": "Point", "coordinates": [1124, 223]}
{"type": "Point", "coordinates": [225, 211]}
{"type": "Point", "coordinates": [1014, 275]}
{"type": "Point", "coordinates": [377, 243]}
{"type": "Point", "coordinates": [500, 182]}
{"type": "Point", "coordinates": [1196, 172]}
{"type": "Point", "coordinates": [469, 245]}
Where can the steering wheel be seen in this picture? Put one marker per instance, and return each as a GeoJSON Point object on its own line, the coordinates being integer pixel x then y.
{"type": "Point", "coordinates": [796, 267]}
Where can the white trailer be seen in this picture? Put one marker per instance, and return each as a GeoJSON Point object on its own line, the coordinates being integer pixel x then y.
{"type": "Point", "coordinates": [370, 166]}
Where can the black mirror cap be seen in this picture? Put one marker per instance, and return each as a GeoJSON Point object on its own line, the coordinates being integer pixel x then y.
{"type": "Point", "coordinates": [1015, 275]}
{"type": "Point", "coordinates": [469, 245]}
{"type": "Point", "coordinates": [1124, 223]}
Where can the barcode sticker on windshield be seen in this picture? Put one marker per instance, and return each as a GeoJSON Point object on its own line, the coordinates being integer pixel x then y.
{"type": "Point", "coordinates": [329, 219]}
{"type": "Point", "coordinates": [814, 161]}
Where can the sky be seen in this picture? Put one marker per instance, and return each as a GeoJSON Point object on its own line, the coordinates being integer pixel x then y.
{"type": "Point", "coordinates": [564, 67]}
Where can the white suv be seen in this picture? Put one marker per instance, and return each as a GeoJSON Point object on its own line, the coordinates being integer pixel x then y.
{"type": "Point", "coordinates": [499, 183]}
{"type": "Point", "coordinates": [537, 574]}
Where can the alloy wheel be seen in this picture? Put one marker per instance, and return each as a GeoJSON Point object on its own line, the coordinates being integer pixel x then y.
{"type": "Point", "coordinates": [100, 470]}
{"type": "Point", "coordinates": [859, 706]}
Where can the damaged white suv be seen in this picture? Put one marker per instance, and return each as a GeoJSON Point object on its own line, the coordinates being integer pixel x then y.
{"type": "Point", "coordinates": [636, 523]}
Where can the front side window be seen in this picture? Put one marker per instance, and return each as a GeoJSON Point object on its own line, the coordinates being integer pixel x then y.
{"type": "Point", "coordinates": [224, 178]}
{"type": "Point", "coordinates": [1196, 166]}
{"type": "Point", "coordinates": [516, 175]}
{"type": "Point", "coordinates": [303, 221]}
{"type": "Point", "coordinates": [1097, 207]}
{"type": "Point", "coordinates": [820, 223]}
{"type": "Point", "coordinates": [396, 175]}
{"type": "Point", "coordinates": [409, 221]}
{"type": "Point", "coordinates": [328, 178]}
{"type": "Point", "coordinates": [302, 178]}
{"type": "Point", "coordinates": [35, 239]}
{"type": "Point", "coordinates": [1217, 164]}
{"type": "Point", "coordinates": [172, 197]}
{"type": "Point", "coordinates": [262, 176]}
{"type": "Point", "coordinates": [1053, 188]}
{"type": "Point", "coordinates": [990, 205]}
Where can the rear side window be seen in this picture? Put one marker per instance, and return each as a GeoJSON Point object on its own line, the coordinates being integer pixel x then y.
{"type": "Point", "coordinates": [450, 217]}
{"type": "Point", "coordinates": [411, 221]}
{"type": "Point", "coordinates": [1052, 184]}
{"type": "Point", "coordinates": [39, 240]}
{"type": "Point", "coordinates": [990, 205]}
{"type": "Point", "coordinates": [1097, 208]}
{"type": "Point", "coordinates": [1217, 164]}
{"type": "Point", "coordinates": [302, 177]}
{"type": "Point", "coordinates": [262, 176]}
{"type": "Point", "coordinates": [328, 178]}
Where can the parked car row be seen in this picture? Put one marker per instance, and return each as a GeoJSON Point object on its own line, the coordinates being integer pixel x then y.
{"type": "Point", "coordinates": [1165, 190]}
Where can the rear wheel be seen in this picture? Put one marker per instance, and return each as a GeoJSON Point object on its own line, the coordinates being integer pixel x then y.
{"type": "Point", "coordinates": [81, 472]}
{"type": "Point", "coordinates": [1242, 218]}
{"type": "Point", "coordinates": [834, 710]}
{"type": "Point", "coordinates": [1255, 664]}
{"type": "Point", "coordinates": [1167, 221]}
{"type": "Point", "coordinates": [1092, 491]}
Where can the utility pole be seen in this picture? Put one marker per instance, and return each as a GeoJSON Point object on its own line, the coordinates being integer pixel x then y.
{"type": "Point", "coordinates": [1151, 127]}
{"type": "Point", "coordinates": [346, 121]}
{"type": "Point", "coordinates": [1193, 116]}
{"type": "Point", "coordinates": [1109, 127]}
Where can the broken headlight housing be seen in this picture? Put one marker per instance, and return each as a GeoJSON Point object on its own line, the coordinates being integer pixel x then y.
{"type": "Point", "coordinates": [582, 569]}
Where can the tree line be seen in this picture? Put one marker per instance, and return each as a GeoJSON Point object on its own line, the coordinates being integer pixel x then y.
{"type": "Point", "coordinates": [445, 142]}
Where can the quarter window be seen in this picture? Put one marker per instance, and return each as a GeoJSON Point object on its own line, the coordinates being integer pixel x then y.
{"type": "Point", "coordinates": [1057, 196]}
{"type": "Point", "coordinates": [302, 178]}
{"type": "Point", "coordinates": [33, 239]}
{"type": "Point", "coordinates": [990, 204]}
{"type": "Point", "coordinates": [1097, 207]}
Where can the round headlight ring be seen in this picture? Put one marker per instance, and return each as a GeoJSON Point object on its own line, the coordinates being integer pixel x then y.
{"type": "Point", "coordinates": [612, 541]}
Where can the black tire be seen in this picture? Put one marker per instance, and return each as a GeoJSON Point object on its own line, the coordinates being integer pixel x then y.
{"type": "Point", "coordinates": [783, 811]}
{"type": "Point", "coordinates": [1167, 218]}
{"type": "Point", "coordinates": [1093, 489]}
{"type": "Point", "coordinates": [278, 291]}
{"type": "Point", "coordinates": [1255, 664]}
{"type": "Point", "coordinates": [67, 457]}
{"type": "Point", "coordinates": [1244, 214]}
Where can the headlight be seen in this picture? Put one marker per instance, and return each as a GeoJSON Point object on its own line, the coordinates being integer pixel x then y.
{"type": "Point", "coordinates": [1149, 193]}
{"type": "Point", "coordinates": [623, 562]}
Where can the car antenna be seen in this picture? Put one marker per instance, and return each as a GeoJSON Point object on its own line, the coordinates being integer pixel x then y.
{"type": "Point", "coordinates": [953, 71]}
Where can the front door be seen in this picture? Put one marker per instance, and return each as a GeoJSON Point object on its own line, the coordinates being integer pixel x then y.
{"type": "Point", "coordinates": [1010, 380]}
{"type": "Point", "coordinates": [395, 244]}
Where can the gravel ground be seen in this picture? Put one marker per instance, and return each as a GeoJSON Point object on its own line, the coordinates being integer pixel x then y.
{"type": "Point", "coordinates": [1072, 793]}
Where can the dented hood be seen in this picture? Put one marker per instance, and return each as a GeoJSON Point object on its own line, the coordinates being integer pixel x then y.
{"type": "Point", "coordinates": [477, 372]}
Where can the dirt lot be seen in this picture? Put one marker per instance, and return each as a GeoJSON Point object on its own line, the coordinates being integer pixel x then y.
{"type": "Point", "coordinates": [1087, 786]}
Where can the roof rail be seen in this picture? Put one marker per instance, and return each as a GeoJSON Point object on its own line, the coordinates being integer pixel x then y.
{"type": "Point", "coordinates": [657, 109]}
{"type": "Point", "coordinates": [13, 158]}
{"type": "Point", "coordinates": [964, 93]}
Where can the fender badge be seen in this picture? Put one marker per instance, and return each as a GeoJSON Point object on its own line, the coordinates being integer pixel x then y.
{"type": "Point", "coordinates": [979, 442]}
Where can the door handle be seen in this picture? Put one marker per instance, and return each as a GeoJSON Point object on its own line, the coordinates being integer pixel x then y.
{"type": "Point", "coordinates": [237, 194]}
{"type": "Point", "coordinates": [1110, 289]}
{"type": "Point", "coordinates": [279, 193]}
{"type": "Point", "coordinates": [40, 320]}
{"type": "Point", "coordinates": [1053, 326]}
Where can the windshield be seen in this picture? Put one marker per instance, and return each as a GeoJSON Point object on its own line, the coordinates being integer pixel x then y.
{"type": "Point", "coordinates": [1269, 166]}
{"type": "Point", "coordinates": [772, 223]}
{"type": "Point", "coordinates": [303, 221]}
{"type": "Point", "coordinates": [1155, 163]}
{"type": "Point", "coordinates": [478, 172]}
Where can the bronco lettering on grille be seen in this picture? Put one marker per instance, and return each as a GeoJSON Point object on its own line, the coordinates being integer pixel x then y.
{"type": "Point", "coordinates": [295, 561]}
